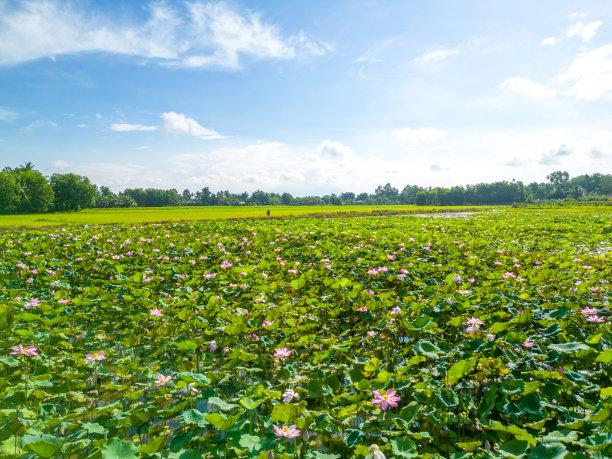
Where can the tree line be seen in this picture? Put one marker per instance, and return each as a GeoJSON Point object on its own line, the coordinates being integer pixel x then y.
{"type": "Point", "coordinates": [26, 190]}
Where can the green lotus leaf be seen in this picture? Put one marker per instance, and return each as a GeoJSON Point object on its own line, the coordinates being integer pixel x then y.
{"type": "Point", "coordinates": [427, 349]}
{"type": "Point", "coordinates": [548, 451]}
{"type": "Point", "coordinates": [404, 447]}
{"type": "Point", "coordinates": [569, 348]}
{"type": "Point", "coordinates": [193, 417]}
{"type": "Point", "coordinates": [447, 397]}
{"type": "Point", "coordinates": [512, 386]}
{"type": "Point", "coordinates": [514, 448]}
{"type": "Point", "coordinates": [117, 449]}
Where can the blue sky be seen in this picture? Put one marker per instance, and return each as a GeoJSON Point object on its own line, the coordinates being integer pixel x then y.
{"type": "Point", "coordinates": [309, 97]}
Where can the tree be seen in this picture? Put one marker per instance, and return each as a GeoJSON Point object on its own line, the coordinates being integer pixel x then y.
{"type": "Point", "coordinates": [287, 199]}
{"type": "Point", "coordinates": [106, 198]}
{"type": "Point", "coordinates": [187, 196]}
{"type": "Point", "coordinates": [35, 192]}
{"type": "Point", "coordinates": [9, 193]}
{"type": "Point", "coordinates": [72, 192]}
{"type": "Point", "coordinates": [347, 197]}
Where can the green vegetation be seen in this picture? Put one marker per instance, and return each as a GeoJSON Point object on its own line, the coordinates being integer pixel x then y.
{"type": "Point", "coordinates": [175, 214]}
{"type": "Point", "coordinates": [25, 190]}
{"type": "Point", "coordinates": [485, 336]}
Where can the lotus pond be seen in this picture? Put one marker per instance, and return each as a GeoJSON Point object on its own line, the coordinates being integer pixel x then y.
{"type": "Point", "coordinates": [484, 336]}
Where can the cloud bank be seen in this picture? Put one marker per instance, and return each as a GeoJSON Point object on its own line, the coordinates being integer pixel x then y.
{"type": "Point", "coordinates": [191, 34]}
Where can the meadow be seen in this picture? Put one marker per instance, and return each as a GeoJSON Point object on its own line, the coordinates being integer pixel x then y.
{"type": "Point", "coordinates": [381, 336]}
{"type": "Point", "coordinates": [194, 213]}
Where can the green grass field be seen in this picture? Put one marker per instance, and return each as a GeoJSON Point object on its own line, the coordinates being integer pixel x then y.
{"type": "Point", "coordinates": [175, 214]}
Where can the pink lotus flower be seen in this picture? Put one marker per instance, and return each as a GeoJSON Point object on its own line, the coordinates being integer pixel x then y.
{"type": "Point", "coordinates": [156, 312]}
{"type": "Point", "coordinates": [267, 323]}
{"type": "Point", "coordinates": [254, 336]}
{"type": "Point", "coordinates": [528, 344]}
{"type": "Point", "coordinates": [289, 395]}
{"type": "Point", "coordinates": [28, 351]}
{"type": "Point", "coordinates": [285, 431]}
{"type": "Point", "coordinates": [212, 346]}
{"type": "Point", "coordinates": [385, 400]}
{"type": "Point", "coordinates": [588, 311]}
{"type": "Point", "coordinates": [95, 356]}
{"type": "Point", "coordinates": [282, 352]}
{"type": "Point", "coordinates": [475, 321]}
{"type": "Point", "coordinates": [372, 333]}
{"type": "Point", "coordinates": [362, 309]}
{"type": "Point", "coordinates": [596, 320]}
{"type": "Point", "coordinates": [162, 380]}
{"type": "Point", "coordinates": [396, 310]}
{"type": "Point", "coordinates": [375, 453]}
{"type": "Point", "coordinates": [189, 389]}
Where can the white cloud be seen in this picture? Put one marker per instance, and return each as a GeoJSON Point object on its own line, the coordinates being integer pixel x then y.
{"type": "Point", "coordinates": [554, 156]}
{"type": "Point", "coordinates": [62, 165]}
{"type": "Point", "coordinates": [330, 149]}
{"type": "Point", "coordinates": [420, 136]}
{"type": "Point", "coordinates": [591, 74]}
{"type": "Point", "coordinates": [180, 124]}
{"type": "Point", "coordinates": [548, 41]}
{"type": "Point", "coordinates": [39, 124]}
{"type": "Point", "coordinates": [584, 31]}
{"type": "Point", "coordinates": [195, 34]}
{"type": "Point", "coordinates": [124, 127]}
{"type": "Point", "coordinates": [526, 87]}
{"type": "Point", "coordinates": [7, 115]}
{"type": "Point", "coordinates": [436, 55]}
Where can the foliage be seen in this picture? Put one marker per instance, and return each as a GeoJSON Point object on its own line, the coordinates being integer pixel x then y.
{"type": "Point", "coordinates": [482, 329]}
{"type": "Point", "coordinates": [72, 192]}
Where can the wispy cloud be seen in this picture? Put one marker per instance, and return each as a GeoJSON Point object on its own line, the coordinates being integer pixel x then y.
{"type": "Point", "coordinates": [554, 156]}
{"type": "Point", "coordinates": [193, 34]}
{"type": "Point", "coordinates": [527, 87]}
{"type": "Point", "coordinates": [548, 41]}
{"type": "Point", "coordinates": [124, 127]}
{"type": "Point", "coordinates": [419, 136]}
{"type": "Point", "coordinates": [7, 115]}
{"type": "Point", "coordinates": [180, 124]}
{"type": "Point", "coordinates": [584, 31]}
{"type": "Point", "coordinates": [330, 149]}
{"type": "Point", "coordinates": [591, 74]}
{"type": "Point", "coordinates": [39, 124]}
{"type": "Point", "coordinates": [436, 55]}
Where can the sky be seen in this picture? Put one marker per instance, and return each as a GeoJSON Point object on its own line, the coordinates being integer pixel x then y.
{"type": "Point", "coordinates": [309, 97]}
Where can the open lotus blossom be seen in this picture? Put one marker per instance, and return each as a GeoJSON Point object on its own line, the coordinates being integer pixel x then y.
{"type": "Point", "coordinates": [396, 310]}
{"type": "Point", "coordinates": [189, 389]}
{"type": "Point", "coordinates": [528, 344]}
{"type": "Point", "coordinates": [289, 395]}
{"type": "Point", "coordinates": [267, 323]}
{"type": "Point", "coordinates": [372, 333]}
{"type": "Point", "coordinates": [162, 380]}
{"type": "Point", "coordinates": [385, 400]}
{"type": "Point", "coordinates": [363, 309]}
{"type": "Point", "coordinates": [375, 453]}
{"type": "Point", "coordinates": [28, 351]}
{"type": "Point", "coordinates": [156, 312]}
{"type": "Point", "coordinates": [588, 311]}
{"type": "Point", "coordinates": [285, 431]}
{"type": "Point", "coordinates": [95, 356]}
{"type": "Point", "coordinates": [474, 321]}
{"type": "Point", "coordinates": [282, 352]}
{"type": "Point", "coordinates": [596, 319]}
